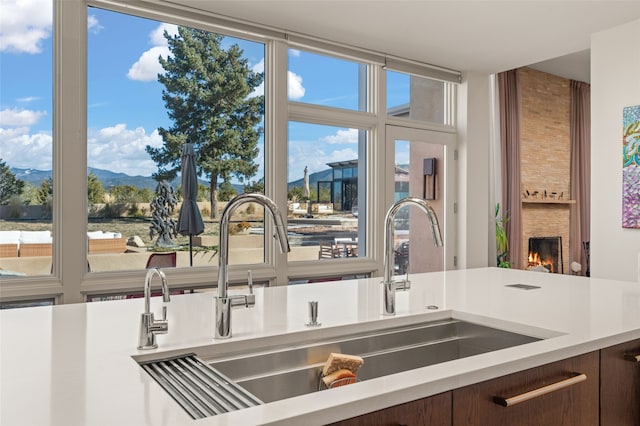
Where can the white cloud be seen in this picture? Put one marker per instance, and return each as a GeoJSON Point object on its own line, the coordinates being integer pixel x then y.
{"type": "Point", "coordinates": [295, 89]}
{"type": "Point", "coordinates": [157, 36]}
{"type": "Point", "coordinates": [93, 25]}
{"type": "Point", "coordinates": [120, 149]}
{"type": "Point", "coordinates": [342, 136]}
{"type": "Point", "coordinates": [147, 67]}
{"type": "Point", "coordinates": [317, 153]}
{"type": "Point", "coordinates": [23, 150]}
{"type": "Point", "coordinates": [294, 52]}
{"type": "Point", "coordinates": [346, 154]}
{"type": "Point", "coordinates": [258, 68]}
{"type": "Point", "coordinates": [115, 148]}
{"type": "Point", "coordinates": [28, 99]}
{"type": "Point", "coordinates": [24, 25]}
{"type": "Point", "coordinates": [15, 117]}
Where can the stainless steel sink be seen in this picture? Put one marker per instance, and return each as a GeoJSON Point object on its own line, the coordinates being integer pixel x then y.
{"type": "Point", "coordinates": [277, 373]}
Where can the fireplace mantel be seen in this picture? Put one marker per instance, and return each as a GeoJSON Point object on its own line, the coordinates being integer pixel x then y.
{"type": "Point", "coordinates": [547, 201]}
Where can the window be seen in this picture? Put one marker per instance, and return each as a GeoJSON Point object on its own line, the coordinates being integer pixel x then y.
{"type": "Point", "coordinates": [423, 168]}
{"type": "Point", "coordinates": [324, 219]}
{"type": "Point", "coordinates": [326, 81]}
{"type": "Point", "coordinates": [418, 98]}
{"type": "Point", "coordinates": [327, 119]}
{"type": "Point", "coordinates": [139, 114]}
{"type": "Point", "coordinates": [26, 140]}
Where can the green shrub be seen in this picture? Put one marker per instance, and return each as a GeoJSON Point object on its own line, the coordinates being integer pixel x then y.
{"type": "Point", "coordinates": [15, 206]}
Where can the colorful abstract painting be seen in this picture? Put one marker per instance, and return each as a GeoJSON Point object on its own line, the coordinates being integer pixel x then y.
{"type": "Point", "coordinates": [631, 167]}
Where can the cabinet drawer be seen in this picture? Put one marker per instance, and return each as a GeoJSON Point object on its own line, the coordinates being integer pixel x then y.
{"type": "Point", "coordinates": [553, 401]}
{"type": "Point", "coordinates": [433, 411]}
{"type": "Point", "coordinates": [620, 385]}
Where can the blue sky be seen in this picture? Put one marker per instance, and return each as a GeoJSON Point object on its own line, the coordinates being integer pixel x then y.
{"type": "Point", "coordinates": [125, 105]}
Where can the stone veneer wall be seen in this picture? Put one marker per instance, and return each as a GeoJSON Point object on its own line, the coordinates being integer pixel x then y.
{"type": "Point", "coordinates": [545, 156]}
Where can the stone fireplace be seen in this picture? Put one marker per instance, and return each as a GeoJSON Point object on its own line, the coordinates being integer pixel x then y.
{"type": "Point", "coordinates": [545, 162]}
{"type": "Point", "coordinates": [540, 220]}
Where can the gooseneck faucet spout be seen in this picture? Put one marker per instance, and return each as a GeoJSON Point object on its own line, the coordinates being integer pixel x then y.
{"type": "Point", "coordinates": [389, 285]}
{"type": "Point", "coordinates": [149, 327]}
{"type": "Point", "coordinates": [224, 303]}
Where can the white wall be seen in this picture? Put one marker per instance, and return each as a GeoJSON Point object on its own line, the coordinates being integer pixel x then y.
{"type": "Point", "coordinates": [615, 84]}
{"type": "Point", "coordinates": [475, 215]}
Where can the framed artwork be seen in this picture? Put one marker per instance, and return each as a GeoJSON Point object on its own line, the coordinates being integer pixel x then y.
{"type": "Point", "coordinates": [631, 167]}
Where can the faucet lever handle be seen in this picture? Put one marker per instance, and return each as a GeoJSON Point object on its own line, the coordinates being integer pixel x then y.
{"type": "Point", "coordinates": [250, 281]}
{"type": "Point", "coordinates": [402, 285]}
{"type": "Point", "coordinates": [164, 313]}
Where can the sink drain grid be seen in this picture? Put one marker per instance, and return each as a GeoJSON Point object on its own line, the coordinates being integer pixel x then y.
{"type": "Point", "coordinates": [199, 388]}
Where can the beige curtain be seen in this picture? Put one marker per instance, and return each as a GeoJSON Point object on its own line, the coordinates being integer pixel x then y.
{"type": "Point", "coordinates": [509, 103]}
{"type": "Point", "coordinates": [580, 129]}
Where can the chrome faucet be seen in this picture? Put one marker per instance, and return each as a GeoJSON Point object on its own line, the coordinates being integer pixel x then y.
{"type": "Point", "coordinates": [225, 303]}
{"type": "Point", "coordinates": [389, 285]}
{"type": "Point", "coordinates": [149, 327]}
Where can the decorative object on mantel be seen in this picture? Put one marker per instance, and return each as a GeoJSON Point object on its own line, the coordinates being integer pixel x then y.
{"type": "Point", "coordinates": [545, 197]}
{"type": "Point", "coordinates": [631, 167]}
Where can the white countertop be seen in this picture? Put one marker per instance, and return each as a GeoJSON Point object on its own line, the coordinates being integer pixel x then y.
{"type": "Point", "coordinates": [74, 364]}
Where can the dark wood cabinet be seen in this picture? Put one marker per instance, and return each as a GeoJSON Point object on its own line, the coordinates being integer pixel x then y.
{"type": "Point", "coordinates": [601, 387]}
{"type": "Point", "coordinates": [433, 411]}
{"type": "Point", "coordinates": [551, 403]}
{"type": "Point", "coordinates": [620, 385]}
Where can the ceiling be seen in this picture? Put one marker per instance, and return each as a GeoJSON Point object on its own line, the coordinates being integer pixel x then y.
{"type": "Point", "coordinates": [481, 36]}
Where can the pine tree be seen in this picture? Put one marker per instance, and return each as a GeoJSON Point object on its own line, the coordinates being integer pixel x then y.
{"type": "Point", "coordinates": [45, 192]}
{"type": "Point", "coordinates": [9, 184]}
{"type": "Point", "coordinates": [95, 189]}
{"type": "Point", "coordinates": [207, 96]}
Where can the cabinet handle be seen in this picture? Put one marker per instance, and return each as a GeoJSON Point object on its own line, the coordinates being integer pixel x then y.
{"type": "Point", "coordinates": [632, 358]}
{"type": "Point", "coordinates": [508, 402]}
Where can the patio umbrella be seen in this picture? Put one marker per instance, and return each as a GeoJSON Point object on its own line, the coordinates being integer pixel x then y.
{"type": "Point", "coordinates": [190, 221]}
{"type": "Point", "coordinates": [307, 192]}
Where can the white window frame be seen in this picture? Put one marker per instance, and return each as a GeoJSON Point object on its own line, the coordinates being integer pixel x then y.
{"type": "Point", "coordinates": [70, 281]}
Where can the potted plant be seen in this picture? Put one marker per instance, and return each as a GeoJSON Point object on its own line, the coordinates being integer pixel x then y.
{"type": "Point", "coordinates": [502, 243]}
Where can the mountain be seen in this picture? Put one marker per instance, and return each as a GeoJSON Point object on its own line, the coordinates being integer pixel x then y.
{"type": "Point", "coordinates": [323, 175]}
{"type": "Point", "coordinates": [106, 177]}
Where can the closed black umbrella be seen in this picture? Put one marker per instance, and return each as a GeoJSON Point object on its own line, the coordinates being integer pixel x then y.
{"type": "Point", "coordinates": [190, 221]}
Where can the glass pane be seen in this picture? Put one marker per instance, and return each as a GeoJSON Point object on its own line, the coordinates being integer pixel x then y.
{"type": "Point", "coordinates": [26, 303]}
{"type": "Point", "coordinates": [329, 278]}
{"type": "Point", "coordinates": [324, 221]}
{"type": "Point", "coordinates": [419, 173]}
{"type": "Point", "coordinates": [416, 98]}
{"type": "Point", "coordinates": [324, 80]}
{"type": "Point", "coordinates": [26, 143]}
{"type": "Point", "coordinates": [146, 99]}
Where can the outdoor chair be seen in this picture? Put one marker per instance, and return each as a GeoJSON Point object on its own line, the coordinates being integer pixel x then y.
{"type": "Point", "coordinates": [329, 250]}
{"type": "Point", "coordinates": [162, 260]}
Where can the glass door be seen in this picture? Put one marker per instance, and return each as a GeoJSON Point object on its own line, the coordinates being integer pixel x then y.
{"type": "Point", "coordinates": [421, 164]}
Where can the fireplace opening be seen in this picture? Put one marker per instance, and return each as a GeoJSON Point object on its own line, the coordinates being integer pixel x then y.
{"type": "Point", "coordinates": [546, 252]}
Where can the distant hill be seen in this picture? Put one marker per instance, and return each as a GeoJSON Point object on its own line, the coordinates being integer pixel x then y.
{"type": "Point", "coordinates": [323, 175]}
{"type": "Point", "coordinates": [106, 177]}
{"type": "Point", "coordinates": [109, 178]}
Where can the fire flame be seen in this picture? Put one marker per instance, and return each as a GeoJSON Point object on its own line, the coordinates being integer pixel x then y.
{"type": "Point", "coordinates": [534, 260]}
